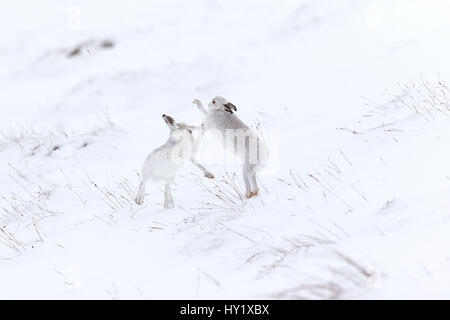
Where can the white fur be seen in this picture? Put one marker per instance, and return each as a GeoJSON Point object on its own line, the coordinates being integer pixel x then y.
{"type": "Point", "coordinates": [163, 163]}
{"type": "Point", "coordinates": [253, 153]}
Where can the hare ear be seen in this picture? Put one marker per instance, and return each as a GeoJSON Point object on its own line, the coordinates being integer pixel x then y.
{"type": "Point", "coordinates": [169, 120]}
{"type": "Point", "coordinates": [229, 107]}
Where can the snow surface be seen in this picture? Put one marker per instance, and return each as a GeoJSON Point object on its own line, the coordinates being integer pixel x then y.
{"type": "Point", "coordinates": [351, 96]}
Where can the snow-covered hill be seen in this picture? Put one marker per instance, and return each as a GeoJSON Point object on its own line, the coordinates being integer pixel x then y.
{"type": "Point", "coordinates": [352, 97]}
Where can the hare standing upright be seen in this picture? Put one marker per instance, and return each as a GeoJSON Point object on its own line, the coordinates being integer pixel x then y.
{"type": "Point", "coordinates": [245, 143]}
{"type": "Point", "coordinates": [163, 163]}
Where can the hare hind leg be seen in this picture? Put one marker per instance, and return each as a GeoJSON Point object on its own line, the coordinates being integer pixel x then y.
{"type": "Point", "coordinates": [251, 184]}
{"type": "Point", "coordinates": [141, 194]}
{"type": "Point", "coordinates": [248, 172]}
{"type": "Point", "coordinates": [145, 176]}
{"type": "Point", "coordinates": [168, 200]}
{"type": "Point", "coordinates": [255, 189]}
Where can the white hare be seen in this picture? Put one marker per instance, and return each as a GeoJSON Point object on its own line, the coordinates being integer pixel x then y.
{"type": "Point", "coordinates": [164, 162]}
{"type": "Point", "coordinates": [244, 142]}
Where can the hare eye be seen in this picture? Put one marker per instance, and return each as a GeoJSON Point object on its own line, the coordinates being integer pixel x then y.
{"type": "Point", "coordinates": [214, 101]}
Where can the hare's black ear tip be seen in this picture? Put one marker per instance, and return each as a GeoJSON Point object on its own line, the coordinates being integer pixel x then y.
{"type": "Point", "coordinates": [229, 107]}
{"type": "Point", "coordinates": [168, 119]}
